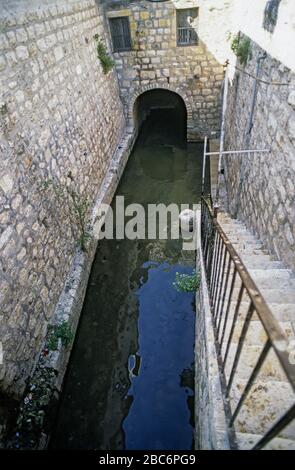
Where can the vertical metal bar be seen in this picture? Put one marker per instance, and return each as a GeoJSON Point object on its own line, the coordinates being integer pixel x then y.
{"type": "Point", "coordinates": [240, 346]}
{"type": "Point", "coordinates": [217, 271]}
{"type": "Point", "coordinates": [253, 376]}
{"type": "Point", "coordinates": [233, 324]}
{"type": "Point", "coordinates": [212, 244]}
{"type": "Point", "coordinates": [278, 426]}
{"type": "Point", "coordinates": [204, 164]}
{"type": "Point", "coordinates": [126, 33]}
{"type": "Point", "coordinates": [216, 250]}
{"type": "Point", "coordinates": [208, 243]}
{"type": "Point", "coordinates": [222, 283]}
{"type": "Point", "coordinates": [207, 249]}
{"type": "Point", "coordinates": [228, 305]}
{"type": "Point", "coordinates": [219, 280]}
{"type": "Point", "coordinates": [206, 236]}
{"type": "Point", "coordinates": [224, 295]}
{"type": "Point", "coordinates": [205, 229]}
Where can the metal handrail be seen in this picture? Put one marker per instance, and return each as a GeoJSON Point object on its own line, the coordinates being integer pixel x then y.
{"type": "Point", "coordinates": [219, 253]}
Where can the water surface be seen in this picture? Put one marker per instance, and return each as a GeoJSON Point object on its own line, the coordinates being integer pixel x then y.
{"type": "Point", "coordinates": [129, 382]}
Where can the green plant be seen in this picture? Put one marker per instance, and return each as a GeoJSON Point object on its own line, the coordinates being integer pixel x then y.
{"type": "Point", "coordinates": [241, 48]}
{"type": "Point", "coordinates": [105, 59]}
{"type": "Point", "coordinates": [187, 282]}
{"type": "Point", "coordinates": [61, 331]}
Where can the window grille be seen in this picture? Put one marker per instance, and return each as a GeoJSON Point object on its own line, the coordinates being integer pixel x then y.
{"type": "Point", "coordinates": [186, 26]}
{"type": "Point", "coordinates": [120, 32]}
{"type": "Point", "coordinates": [271, 15]}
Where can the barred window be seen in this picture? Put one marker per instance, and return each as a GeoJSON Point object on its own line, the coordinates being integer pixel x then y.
{"type": "Point", "coordinates": [186, 26]}
{"type": "Point", "coordinates": [120, 32]}
{"type": "Point", "coordinates": [271, 15]}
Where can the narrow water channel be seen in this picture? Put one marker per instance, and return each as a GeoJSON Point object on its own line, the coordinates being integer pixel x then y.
{"type": "Point", "coordinates": [129, 383]}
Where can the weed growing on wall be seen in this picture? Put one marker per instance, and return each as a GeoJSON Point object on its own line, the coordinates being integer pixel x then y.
{"type": "Point", "coordinates": [187, 282]}
{"type": "Point", "coordinates": [60, 331]}
{"type": "Point", "coordinates": [241, 48]}
{"type": "Point", "coordinates": [105, 59]}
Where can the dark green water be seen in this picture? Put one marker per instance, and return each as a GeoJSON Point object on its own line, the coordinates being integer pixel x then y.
{"type": "Point", "coordinates": [129, 384]}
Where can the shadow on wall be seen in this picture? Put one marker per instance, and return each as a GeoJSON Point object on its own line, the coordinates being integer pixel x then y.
{"type": "Point", "coordinates": [260, 187]}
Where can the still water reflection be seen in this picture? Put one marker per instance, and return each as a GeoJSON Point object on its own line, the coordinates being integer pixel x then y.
{"type": "Point", "coordinates": [129, 383]}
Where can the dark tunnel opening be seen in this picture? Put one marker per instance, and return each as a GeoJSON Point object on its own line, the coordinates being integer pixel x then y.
{"type": "Point", "coordinates": [168, 104]}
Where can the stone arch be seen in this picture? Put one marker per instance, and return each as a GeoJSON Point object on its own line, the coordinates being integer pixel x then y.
{"type": "Point", "coordinates": [159, 86]}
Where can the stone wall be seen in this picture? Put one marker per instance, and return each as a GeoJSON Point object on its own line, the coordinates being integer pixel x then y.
{"type": "Point", "coordinates": [61, 119]}
{"type": "Point", "coordinates": [261, 187]}
{"type": "Point", "coordinates": [155, 61]}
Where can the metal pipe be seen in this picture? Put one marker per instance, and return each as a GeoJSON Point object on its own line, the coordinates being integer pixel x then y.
{"type": "Point", "coordinates": [228, 152]}
{"type": "Point", "coordinates": [222, 132]}
{"type": "Point", "coordinates": [204, 164]}
{"type": "Point", "coordinates": [254, 96]}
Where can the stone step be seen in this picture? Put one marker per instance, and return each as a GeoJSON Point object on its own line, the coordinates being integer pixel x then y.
{"type": "Point", "coordinates": [250, 250]}
{"type": "Point", "coordinates": [278, 296]}
{"type": "Point", "coordinates": [263, 407]}
{"type": "Point", "coordinates": [223, 217]}
{"type": "Point", "coordinates": [270, 370]}
{"type": "Point", "coordinates": [236, 230]}
{"type": "Point", "coordinates": [244, 245]}
{"type": "Point", "coordinates": [264, 277]}
{"type": "Point", "coordinates": [246, 239]}
{"type": "Point", "coordinates": [256, 335]}
{"type": "Point", "coordinates": [261, 261]}
{"type": "Point", "coordinates": [231, 222]}
{"type": "Point", "coordinates": [285, 295]}
{"type": "Point", "coordinates": [247, 441]}
{"type": "Point", "coordinates": [281, 311]}
{"type": "Point", "coordinates": [231, 227]}
{"type": "Point", "coordinates": [281, 278]}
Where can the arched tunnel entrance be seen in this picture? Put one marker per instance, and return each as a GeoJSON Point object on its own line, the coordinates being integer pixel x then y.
{"type": "Point", "coordinates": [166, 108]}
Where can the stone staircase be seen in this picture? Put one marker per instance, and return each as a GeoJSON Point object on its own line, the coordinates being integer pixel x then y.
{"type": "Point", "coordinates": [271, 394]}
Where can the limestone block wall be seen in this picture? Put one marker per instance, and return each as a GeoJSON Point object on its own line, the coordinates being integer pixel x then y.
{"type": "Point", "coordinates": [261, 187]}
{"type": "Point", "coordinates": [61, 119]}
{"type": "Point", "coordinates": [155, 60]}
